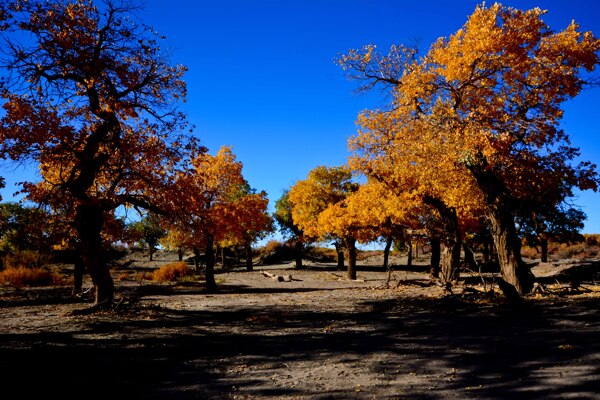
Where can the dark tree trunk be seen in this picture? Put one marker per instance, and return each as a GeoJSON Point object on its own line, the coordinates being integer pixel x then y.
{"type": "Point", "coordinates": [339, 248]}
{"type": "Point", "coordinates": [386, 252]}
{"type": "Point", "coordinates": [298, 253]}
{"type": "Point", "coordinates": [451, 241]}
{"type": "Point", "coordinates": [351, 251]}
{"type": "Point", "coordinates": [180, 254]}
{"type": "Point", "coordinates": [223, 257]}
{"type": "Point", "coordinates": [517, 279]}
{"type": "Point", "coordinates": [470, 258]}
{"type": "Point", "coordinates": [544, 246]}
{"type": "Point", "coordinates": [516, 275]}
{"type": "Point", "coordinates": [89, 220]}
{"type": "Point", "coordinates": [436, 252]}
{"type": "Point", "coordinates": [209, 272]}
{"type": "Point", "coordinates": [409, 254]}
{"type": "Point", "coordinates": [249, 266]}
{"type": "Point", "coordinates": [486, 253]}
{"type": "Point", "coordinates": [151, 252]}
{"type": "Point", "coordinates": [197, 259]}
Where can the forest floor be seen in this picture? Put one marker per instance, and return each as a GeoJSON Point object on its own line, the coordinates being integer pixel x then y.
{"type": "Point", "coordinates": [318, 336]}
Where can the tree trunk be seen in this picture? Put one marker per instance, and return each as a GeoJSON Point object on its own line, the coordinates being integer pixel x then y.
{"type": "Point", "coordinates": [197, 259]}
{"type": "Point", "coordinates": [340, 255]}
{"type": "Point", "coordinates": [209, 272]}
{"type": "Point", "coordinates": [516, 275]}
{"type": "Point", "coordinates": [386, 252]}
{"type": "Point", "coordinates": [180, 254]}
{"type": "Point", "coordinates": [470, 258]}
{"type": "Point", "coordinates": [409, 254]}
{"type": "Point", "coordinates": [517, 279]}
{"type": "Point", "coordinates": [351, 251]}
{"type": "Point", "coordinates": [223, 257]}
{"type": "Point", "coordinates": [544, 246]}
{"type": "Point", "coordinates": [89, 220]}
{"type": "Point", "coordinates": [486, 253]}
{"type": "Point", "coordinates": [451, 241]}
{"type": "Point", "coordinates": [151, 251]}
{"type": "Point", "coordinates": [436, 252]}
{"type": "Point", "coordinates": [249, 258]}
{"type": "Point", "coordinates": [298, 253]}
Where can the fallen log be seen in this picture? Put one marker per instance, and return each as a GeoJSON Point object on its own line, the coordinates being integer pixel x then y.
{"type": "Point", "coordinates": [278, 278]}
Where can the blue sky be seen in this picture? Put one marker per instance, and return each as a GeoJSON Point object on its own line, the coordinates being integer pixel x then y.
{"type": "Point", "coordinates": [262, 77]}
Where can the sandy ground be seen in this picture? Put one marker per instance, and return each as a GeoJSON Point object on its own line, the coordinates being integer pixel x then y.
{"type": "Point", "coordinates": [318, 336]}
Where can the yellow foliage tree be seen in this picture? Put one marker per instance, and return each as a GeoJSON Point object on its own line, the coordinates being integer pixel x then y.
{"type": "Point", "coordinates": [489, 99]}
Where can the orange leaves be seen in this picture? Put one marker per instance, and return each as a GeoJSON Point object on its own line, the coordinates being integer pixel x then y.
{"type": "Point", "coordinates": [212, 200]}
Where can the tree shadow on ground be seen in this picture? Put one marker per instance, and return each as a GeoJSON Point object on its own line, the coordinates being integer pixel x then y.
{"type": "Point", "coordinates": [417, 348]}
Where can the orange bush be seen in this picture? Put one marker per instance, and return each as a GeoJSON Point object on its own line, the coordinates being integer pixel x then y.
{"type": "Point", "coordinates": [23, 276]}
{"type": "Point", "coordinates": [172, 272]}
{"type": "Point", "coordinates": [272, 245]}
{"type": "Point", "coordinates": [24, 258]}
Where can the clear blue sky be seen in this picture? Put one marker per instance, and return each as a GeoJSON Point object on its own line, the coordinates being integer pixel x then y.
{"type": "Point", "coordinates": [262, 77]}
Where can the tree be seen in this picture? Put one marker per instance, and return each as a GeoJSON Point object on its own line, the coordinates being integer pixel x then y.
{"type": "Point", "coordinates": [149, 230]}
{"type": "Point", "coordinates": [491, 95]}
{"type": "Point", "coordinates": [91, 97]}
{"type": "Point", "coordinates": [325, 187]}
{"type": "Point", "coordinates": [283, 216]}
{"type": "Point", "coordinates": [216, 207]}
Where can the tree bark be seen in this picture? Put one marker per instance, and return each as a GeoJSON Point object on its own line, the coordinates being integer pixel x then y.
{"type": "Point", "coordinates": [89, 220]}
{"type": "Point", "coordinates": [470, 258]}
{"type": "Point", "coordinates": [209, 272]}
{"type": "Point", "coordinates": [180, 254]}
{"type": "Point", "coordinates": [516, 275]}
{"type": "Point", "coordinates": [298, 253]}
{"type": "Point", "coordinates": [517, 279]}
{"type": "Point", "coordinates": [451, 240]}
{"type": "Point", "coordinates": [386, 252]}
{"type": "Point", "coordinates": [197, 259]}
{"type": "Point", "coordinates": [151, 252]}
{"type": "Point", "coordinates": [340, 255]}
{"type": "Point", "coordinates": [436, 252]}
{"type": "Point", "coordinates": [351, 252]}
{"type": "Point", "coordinates": [249, 266]}
{"type": "Point", "coordinates": [544, 248]}
{"type": "Point", "coordinates": [409, 254]}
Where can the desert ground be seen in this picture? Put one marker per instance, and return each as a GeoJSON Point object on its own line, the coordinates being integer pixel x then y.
{"type": "Point", "coordinates": [316, 336]}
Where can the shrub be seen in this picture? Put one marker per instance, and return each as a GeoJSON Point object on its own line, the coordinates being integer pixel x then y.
{"type": "Point", "coordinates": [172, 272]}
{"type": "Point", "coordinates": [271, 246]}
{"type": "Point", "coordinates": [24, 276]}
{"type": "Point", "coordinates": [25, 258]}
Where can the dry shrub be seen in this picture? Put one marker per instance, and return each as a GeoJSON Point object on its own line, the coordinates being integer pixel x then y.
{"type": "Point", "coordinates": [529, 252]}
{"type": "Point", "coordinates": [271, 246]}
{"type": "Point", "coordinates": [24, 276]}
{"type": "Point", "coordinates": [25, 258]}
{"type": "Point", "coordinates": [172, 272]}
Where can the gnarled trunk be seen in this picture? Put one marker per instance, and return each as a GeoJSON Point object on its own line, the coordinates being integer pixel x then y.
{"type": "Point", "coordinates": [209, 272]}
{"type": "Point", "coordinates": [351, 252]}
{"type": "Point", "coordinates": [88, 221]}
{"type": "Point", "coordinates": [451, 241]}
{"type": "Point", "coordinates": [516, 275]}
{"type": "Point", "coordinates": [517, 279]}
